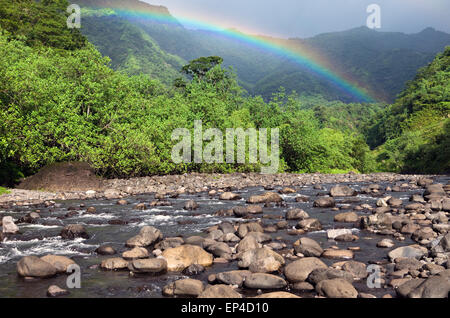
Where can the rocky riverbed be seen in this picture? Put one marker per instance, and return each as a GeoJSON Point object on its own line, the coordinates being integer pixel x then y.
{"type": "Point", "coordinates": [239, 235]}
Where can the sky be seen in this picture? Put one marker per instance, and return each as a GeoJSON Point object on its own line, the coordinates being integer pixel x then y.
{"type": "Point", "coordinates": [306, 18]}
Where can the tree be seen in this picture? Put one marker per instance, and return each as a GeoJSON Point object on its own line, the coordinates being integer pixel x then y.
{"type": "Point", "coordinates": [201, 66]}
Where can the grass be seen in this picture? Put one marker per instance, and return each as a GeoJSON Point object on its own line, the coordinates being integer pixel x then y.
{"type": "Point", "coordinates": [4, 191]}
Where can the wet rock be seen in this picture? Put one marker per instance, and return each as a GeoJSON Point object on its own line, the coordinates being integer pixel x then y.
{"type": "Point", "coordinates": [32, 266]}
{"type": "Point", "coordinates": [122, 202]}
{"type": "Point", "coordinates": [336, 288]}
{"type": "Point", "coordinates": [184, 287]}
{"type": "Point", "coordinates": [254, 209]}
{"type": "Point", "coordinates": [394, 202]}
{"type": "Point", "coordinates": [247, 243]}
{"type": "Point", "coordinates": [308, 247]}
{"type": "Point", "coordinates": [169, 242]}
{"type": "Point", "coordinates": [146, 237]}
{"type": "Point", "coordinates": [264, 281]}
{"type": "Point", "coordinates": [135, 253]}
{"type": "Point", "coordinates": [279, 294]}
{"type": "Point", "coordinates": [261, 260]}
{"type": "Point", "coordinates": [232, 277]}
{"type": "Point", "coordinates": [320, 274]}
{"type": "Point", "coordinates": [140, 206]}
{"type": "Point", "coordinates": [303, 286]}
{"type": "Point", "coordinates": [55, 291]}
{"type": "Point", "coordinates": [302, 198]}
{"type": "Point", "coordinates": [414, 251]}
{"type": "Point", "coordinates": [229, 196]}
{"type": "Point", "coordinates": [357, 269]}
{"type": "Point", "coordinates": [227, 227]}
{"type": "Point", "coordinates": [105, 250]}
{"type": "Point", "coordinates": [240, 211]}
{"type": "Point", "coordinates": [346, 238]}
{"type": "Point", "coordinates": [287, 191]}
{"type": "Point", "coordinates": [8, 225]}
{"type": "Point", "coordinates": [425, 233]}
{"type": "Point", "coordinates": [414, 207]}
{"type": "Point", "coordinates": [260, 237]}
{"type": "Point", "coordinates": [195, 240]}
{"type": "Point", "coordinates": [220, 249]}
{"type": "Point", "coordinates": [347, 217]}
{"type": "Point", "coordinates": [326, 202]}
{"type": "Point", "coordinates": [181, 257]}
{"type": "Point", "coordinates": [265, 198]}
{"type": "Point", "coordinates": [404, 289]}
{"type": "Point", "coordinates": [282, 225]}
{"type": "Point", "coordinates": [409, 264]}
{"type": "Point", "coordinates": [409, 228]}
{"type": "Point", "coordinates": [116, 263]}
{"type": "Point", "coordinates": [342, 191]}
{"type": "Point", "coordinates": [219, 291]}
{"type": "Point", "coordinates": [296, 214]}
{"type": "Point", "coordinates": [333, 233]}
{"type": "Point", "coordinates": [193, 270]}
{"type": "Point", "coordinates": [191, 205]}
{"type": "Point", "coordinates": [337, 254]}
{"type": "Point", "coordinates": [61, 263]}
{"type": "Point", "coordinates": [229, 237]}
{"type": "Point", "coordinates": [73, 231]}
{"type": "Point", "coordinates": [386, 243]}
{"type": "Point", "coordinates": [148, 265]}
{"type": "Point", "coordinates": [298, 271]}
{"type": "Point", "coordinates": [309, 225]}
{"type": "Point", "coordinates": [437, 286]}
{"type": "Point", "coordinates": [30, 218]}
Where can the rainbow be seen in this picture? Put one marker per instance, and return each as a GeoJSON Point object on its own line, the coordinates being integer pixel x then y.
{"type": "Point", "coordinates": [306, 57]}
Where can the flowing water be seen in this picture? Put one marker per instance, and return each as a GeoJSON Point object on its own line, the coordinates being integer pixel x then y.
{"type": "Point", "coordinates": [43, 238]}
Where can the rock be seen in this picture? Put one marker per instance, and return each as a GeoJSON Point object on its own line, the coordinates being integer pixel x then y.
{"type": "Point", "coordinates": [31, 218]}
{"type": "Point", "coordinates": [233, 277]}
{"type": "Point", "coordinates": [296, 214]}
{"type": "Point", "coordinates": [191, 205]}
{"type": "Point", "coordinates": [357, 269]}
{"type": "Point", "coordinates": [227, 227]}
{"type": "Point", "coordinates": [264, 281]}
{"type": "Point", "coordinates": [247, 243]}
{"type": "Point", "coordinates": [220, 249]}
{"type": "Point", "coordinates": [72, 231]}
{"type": "Point", "coordinates": [342, 191]}
{"type": "Point", "coordinates": [229, 237]}
{"type": "Point", "coordinates": [336, 288]}
{"type": "Point", "coordinates": [414, 251]}
{"type": "Point", "coordinates": [321, 274]}
{"type": "Point", "coordinates": [61, 263]}
{"type": "Point", "coordinates": [169, 242]}
{"type": "Point", "coordinates": [178, 258]}
{"type": "Point", "coordinates": [287, 190]}
{"type": "Point", "coordinates": [215, 235]}
{"type": "Point", "coordinates": [409, 264]}
{"type": "Point", "coordinates": [140, 206]}
{"type": "Point", "coordinates": [348, 217]}
{"type": "Point", "coordinates": [105, 250]}
{"type": "Point", "coordinates": [309, 225]}
{"type": "Point", "coordinates": [195, 240]}
{"type": "Point", "coordinates": [298, 271]}
{"type": "Point", "coordinates": [280, 294]}
{"type": "Point", "coordinates": [308, 247]}
{"type": "Point", "coordinates": [116, 263]}
{"type": "Point", "coordinates": [184, 287]}
{"type": "Point", "coordinates": [404, 289]}
{"type": "Point", "coordinates": [337, 254]}
{"type": "Point", "coordinates": [8, 225]}
{"type": "Point", "coordinates": [346, 238]}
{"type": "Point", "coordinates": [219, 291]}
{"type": "Point", "coordinates": [240, 211]}
{"type": "Point", "coordinates": [437, 286]}
{"type": "Point", "coordinates": [122, 202]}
{"type": "Point", "coordinates": [135, 253]}
{"type": "Point", "coordinates": [55, 291]}
{"type": "Point", "coordinates": [229, 196]}
{"type": "Point", "coordinates": [303, 286]}
{"type": "Point", "coordinates": [425, 233]}
{"type": "Point", "coordinates": [394, 202]}
{"type": "Point", "coordinates": [409, 228]}
{"type": "Point", "coordinates": [260, 237]}
{"type": "Point", "coordinates": [301, 198]}
{"type": "Point", "coordinates": [386, 243]}
{"type": "Point", "coordinates": [148, 265]}
{"type": "Point", "coordinates": [332, 234]}
{"type": "Point", "coordinates": [193, 270]}
{"type": "Point", "coordinates": [146, 237]}
{"type": "Point", "coordinates": [414, 207]}
{"type": "Point", "coordinates": [265, 198]}
{"type": "Point", "coordinates": [32, 266]}
{"type": "Point", "coordinates": [325, 202]}
{"type": "Point", "coordinates": [261, 260]}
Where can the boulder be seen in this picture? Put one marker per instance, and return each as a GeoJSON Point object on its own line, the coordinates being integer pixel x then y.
{"type": "Point", "coordinates": [247, 243]}
{"type": "Point", "coordinates": [55, 291]}
{"type": "Point", "coordinates": [229, 196]}
{"type": "Point", "coordinates": [72, 231]}
{"type": "Point", "coordinates": [309, 225]}
{"type": "Point", "coordinates": [342, 191]}
{"type": "Point", "coordinates": [32, 266]}
{"type": "Point", "coordinates": [357, 269]}
{"type": "Point", "coordinates": [116, 263]}
{"type": "Point", "coordinates": [279, 294]}
{"type": "Point", "coordinates": [337, 254]}
{"type": "Point", "coordinates": [219, 249]}
{"type": "Point", "coordinates": [298, 271]}
{"type": "Point", "coordinates": [191, 205]}
{"type": "Point", "coordinates": [184, 287]}
{"type": "Point", "coordinates": [386, 243]}
{"type": "Point", "coordinates": [148, 265]}
{"type": "Point", "coordinates": [8, 225]}
{"type": "Point", "coordinates": [264, 281]}
{"type": "Point", "coordinates": [169, 242]}
{"type": "Point", "coordinates": [233, 277]}
{"type": "Point", "coordinates": [325, 202]}
{"type": "Point", "coordinates": [135, 253]}
{"type": "Point", "coordinates": [320, 274]}
{"type": "Point", "coordinates": [146, 237]}
{"type": "Point", "coordinates": [61, 263]}
{"type": "Point", "coordinates": [105, 250]}
{"type": "Point", "coordinates": [265, 198]}
{"type": "Point", "coordinates": [308, 247]}
{"type": "Point", "coordinates": [178, 258]}
{"type": "Point", "coordinates": [219, 291]}
{"type": "Point", "coordinates": [437, 286]}
{"type": "Point", "coordinates": [336, 288]}
{"type": "Point", "coordinates": [261, 260]}
{"type": "Point", "coordinates": [414, 251]}
{"type": "Point", "coordinates": [296, 214]}
{"type": "Point", "coordinates": [347, 217]}
{"type": "Point", "coordinates": [333, 233]}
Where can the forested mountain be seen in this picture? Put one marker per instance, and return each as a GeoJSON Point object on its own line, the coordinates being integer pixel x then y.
{"type": "Point", "coordinates": [381, 62]}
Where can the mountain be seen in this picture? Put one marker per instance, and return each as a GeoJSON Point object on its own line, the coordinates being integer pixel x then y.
{"type": "Point", "coordinates": [379, 62]}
